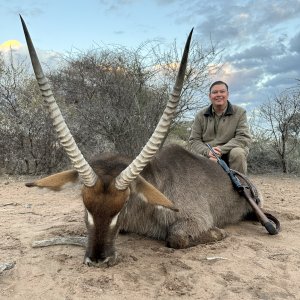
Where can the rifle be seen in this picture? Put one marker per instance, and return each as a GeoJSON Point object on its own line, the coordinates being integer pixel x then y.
{"type": "Point", "coordinates": [266, 219]}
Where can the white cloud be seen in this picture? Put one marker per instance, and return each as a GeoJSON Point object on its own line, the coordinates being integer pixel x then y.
{"type": "Point", "coordinates": [19, 53]}
{"type": "Point", "coordinates": [10, 45]}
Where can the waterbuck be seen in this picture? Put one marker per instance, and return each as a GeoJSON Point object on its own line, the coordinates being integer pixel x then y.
{"type": "Point", "coordinates": [168, 194]}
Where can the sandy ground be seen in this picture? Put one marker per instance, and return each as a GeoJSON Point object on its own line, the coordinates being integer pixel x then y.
{"type": "Point", "coordinates": [248, 264]}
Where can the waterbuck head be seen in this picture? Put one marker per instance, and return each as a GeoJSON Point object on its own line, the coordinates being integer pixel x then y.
{"type": "Point", "coordinates": [106, 186]}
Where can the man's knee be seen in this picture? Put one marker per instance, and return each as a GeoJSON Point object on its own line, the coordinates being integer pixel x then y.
{"type": "Point", "coordinates": [238, 153]}
{"type": "Point", "coordinates": [238, 159]}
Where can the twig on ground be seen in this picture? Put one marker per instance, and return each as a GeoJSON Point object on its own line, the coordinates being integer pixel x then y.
{"type": "Point", "coordinates": [61, 240]}
{"type": "Point", "coordinates": [9, 203]}
{"type": "Point", "coordinates": [6, 266]}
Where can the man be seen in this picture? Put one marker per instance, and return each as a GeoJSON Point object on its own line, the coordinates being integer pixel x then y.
{"type": "Point", "coordinates": [224, 126]}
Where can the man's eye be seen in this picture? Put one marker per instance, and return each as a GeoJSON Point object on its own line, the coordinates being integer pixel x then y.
{"type": "Point", "coordinates": [221, 92]}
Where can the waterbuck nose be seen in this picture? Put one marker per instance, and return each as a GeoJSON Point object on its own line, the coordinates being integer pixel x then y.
{"type": "Point", "coordinates": [106, 261]}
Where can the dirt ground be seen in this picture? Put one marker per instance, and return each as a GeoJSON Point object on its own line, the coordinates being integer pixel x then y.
{"type": "Point", "coordinates": [248, 264]}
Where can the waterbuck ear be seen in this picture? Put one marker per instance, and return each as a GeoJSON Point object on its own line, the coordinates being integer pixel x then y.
{"type": "Point", "coordinates": [151, 194]}
{"type": "Point", "coordinates": [56, 181]}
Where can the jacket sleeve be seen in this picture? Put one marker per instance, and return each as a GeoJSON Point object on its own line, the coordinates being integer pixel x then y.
{"type": "Point", "coordinates": [196, 143]}
{"type": "Point", "coordinates": [242, 136]}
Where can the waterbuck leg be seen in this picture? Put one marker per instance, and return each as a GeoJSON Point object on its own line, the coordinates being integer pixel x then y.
{"type": "Point", "coordinates": [182, 234]}
{"type": "Point", "coordinates": [212, 235]}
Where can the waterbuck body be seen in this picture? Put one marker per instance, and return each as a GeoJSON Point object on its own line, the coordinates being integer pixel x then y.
{"type": "Point", "coordinates": [202, 201]}
{"type": "Point", "coordinates": [171, 194]}
{"type": "Point", "coordinates": [200, 190]}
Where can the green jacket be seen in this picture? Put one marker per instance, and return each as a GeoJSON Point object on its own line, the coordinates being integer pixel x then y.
{"type": "Point", "coordinates": [232, 130]}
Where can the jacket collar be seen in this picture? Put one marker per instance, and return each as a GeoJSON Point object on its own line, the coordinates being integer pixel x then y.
{"type": "Point", "coordinates": [209, 111]}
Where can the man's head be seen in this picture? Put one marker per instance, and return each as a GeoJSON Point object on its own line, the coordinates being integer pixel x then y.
{"type": "Point", "coordinates": [218, 95]}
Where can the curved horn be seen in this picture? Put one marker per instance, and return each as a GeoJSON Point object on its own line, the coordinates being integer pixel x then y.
{"type": "Point", "coordinates": [149, 150]}
{"type": "Point", "coordinates": [85, 171]}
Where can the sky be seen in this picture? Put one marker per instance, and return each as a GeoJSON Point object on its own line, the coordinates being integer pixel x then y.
{"type": "Point", "coordinates": [259, 39]}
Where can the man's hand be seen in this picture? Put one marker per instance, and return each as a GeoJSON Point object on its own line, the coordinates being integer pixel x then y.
{"type": "Point", "coordinates": [217, 151]}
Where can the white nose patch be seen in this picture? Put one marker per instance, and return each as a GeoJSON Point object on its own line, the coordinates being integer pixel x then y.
{"type": "Point", "coordinates": [114, 221]}
{"type": "Point", "coordinates": [90, 219]}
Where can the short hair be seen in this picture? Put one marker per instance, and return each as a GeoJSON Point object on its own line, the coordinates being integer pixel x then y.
{"type": "Point", "coordinates": [217, 83]}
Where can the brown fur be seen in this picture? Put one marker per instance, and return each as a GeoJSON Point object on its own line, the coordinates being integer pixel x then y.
{"type": "Point", "coordinates": [152, 195]}
{"type": "Point", "coordinates": [103, 202]}
{"type": "Point", "coordinates": [55, 182]}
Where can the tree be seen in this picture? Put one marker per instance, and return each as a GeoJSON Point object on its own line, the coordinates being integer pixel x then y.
{"type": "Point", "coordinates": [281, 116]}
{"type": "Point", "coordinates": [28, 143]}
{"type": "Point", "coordinates": [111, 99]}
{"type": "Point", "coordinates": [118, 94]}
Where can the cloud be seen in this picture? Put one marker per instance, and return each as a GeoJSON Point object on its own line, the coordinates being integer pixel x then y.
{"type": "Point", "coordinates": [116, 6]}
{"type": "Point", "coordinates": [284, 64]}
{"type": "Point", "coordinates": [15, 7]}
{"type": "Point", "coordinates": [10, 45]}
{"type": "Point", "coordinates": [295, 43]}
{"type": "Point", "coordinates": [119, 32]}
{"type": "Point", "coordinates": [260, 39]}
{"type": "Point", "coordinates": [50, 60]}
{"type": "Point", "coordinates": [257, 53]}
{"type": "Point", "coordinates": [261, 52]}
{"type": "Point", "coordinates": [241, 20]}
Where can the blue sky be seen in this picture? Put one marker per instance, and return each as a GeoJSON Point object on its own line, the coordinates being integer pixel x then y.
{"type": "Point", "coordinates": [260, 39]}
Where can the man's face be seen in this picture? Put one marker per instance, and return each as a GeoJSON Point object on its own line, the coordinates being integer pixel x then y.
{"type": "Point", "coordinates": [219, 95]}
